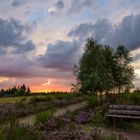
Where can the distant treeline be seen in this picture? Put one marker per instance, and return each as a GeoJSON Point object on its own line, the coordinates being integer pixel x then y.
{"type": "Point", "coordinates": [15, 91]}
{"type": "Point", "coordinates": [52, 92]}
{"type": "Point", "coordinates": [24, 91]}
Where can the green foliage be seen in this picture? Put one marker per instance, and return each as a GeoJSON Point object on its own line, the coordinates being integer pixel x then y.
{"type": "Point", "coordinates": [135, 98]}
{"type": "Point", "coordinates": [129, 126]}
{"type": "Point", "coordinates": [20, 103]}
{"type": "Point", "coordinates": [93, 101]}
{"type": "Point", "coordinates": [67, 96]}
{"type": "Point", "coordinates": [123, 72]}
{"type": "Point", "coordinates": [99, 114]}
{"type": "Point", "coordinates": [14, 131]}
{"type": "Point", "coordinates": [44, 116]}
{"type": "Point", "coordinates": [103, 69]}
{"type": "Point", "coordinates": [41, 98]}
{"type": "Point", "coordinates": [50, 97]}
{"type": "Point", "coordinates": [15, 91]}
{"type": "Point", "coordinates": [126, 98]}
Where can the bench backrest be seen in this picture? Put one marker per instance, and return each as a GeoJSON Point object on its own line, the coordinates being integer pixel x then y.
{"type": "Point", "coordinates": [124, 107]}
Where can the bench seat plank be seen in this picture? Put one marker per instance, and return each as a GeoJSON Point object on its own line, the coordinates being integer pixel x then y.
{"type": "Point", "coordinates": [122, 116]}
{"type": "Point", "coordinates": [125, 107]}
{"type": "Point", "coordinates": [124, 112]}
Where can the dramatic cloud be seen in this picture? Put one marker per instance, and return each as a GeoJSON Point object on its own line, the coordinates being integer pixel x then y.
{"type": "Point", "coordinates": [127, 32]}
{"type": "Point", "coordinates": [41, 43]}
{"type": "Point", "coordinates": [61, 56]}
{"type": "Point", "coordinates": [100, 30]}
{"type": "Point", "coordinates": [13, 38]}
{"type": "Point", "coordinates": [82, 31]}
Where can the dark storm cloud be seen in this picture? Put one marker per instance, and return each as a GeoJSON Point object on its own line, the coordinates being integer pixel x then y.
{"type": "Point", "coordinates": [59, 4]}
{"type": "Point", "coordinates": [24, 47]}
{"type": "Point", "coordinates": [100, 30]}
{"type": "Point", "coordinates": [127, 32]}
{"type": "Point", "coordinates": [10, 32]}
{"type": "Point", "coordinates": [61, 56]}
{"type": "Point", "coordinates": [12, 35]}
{"type": "Point", "coordinates": [81, 31]}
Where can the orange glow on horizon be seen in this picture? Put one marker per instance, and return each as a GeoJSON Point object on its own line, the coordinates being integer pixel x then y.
{"type": "Point", "coordinates": [50, 88]}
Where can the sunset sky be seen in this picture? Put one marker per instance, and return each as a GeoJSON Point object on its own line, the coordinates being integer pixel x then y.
{"type": "Point", "coordinates": [41, 40]}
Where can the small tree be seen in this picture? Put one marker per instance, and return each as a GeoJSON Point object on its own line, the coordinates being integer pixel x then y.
{"type": "Point", "coordinates": [103, 69]}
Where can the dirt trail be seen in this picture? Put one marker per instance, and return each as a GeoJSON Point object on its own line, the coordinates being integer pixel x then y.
{"type": "Point", "coordinates": [30, 120]}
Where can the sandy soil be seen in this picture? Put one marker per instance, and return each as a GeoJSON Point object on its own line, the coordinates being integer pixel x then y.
{"type": "Point", "coordinates": [30, 120]}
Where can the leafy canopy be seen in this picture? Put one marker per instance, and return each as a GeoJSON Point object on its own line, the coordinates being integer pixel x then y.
{"type": "Point", "coordinates": [103, 69]}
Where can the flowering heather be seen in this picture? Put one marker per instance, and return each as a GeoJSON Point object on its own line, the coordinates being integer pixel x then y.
{"type": "Point", "coordinates": [83, 117]}
{"type": "Point", "coordinates": [56, 123]}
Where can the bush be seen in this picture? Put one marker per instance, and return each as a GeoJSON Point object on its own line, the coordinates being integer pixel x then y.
{"type": "Point", "coordinates": [43, 117]}
{"type": "Point", "coordinates": [66, 96]}
{"type": "Point", "coordinates": [98, 117]}
{"type": "Point", "coordinates": [135, 98]}
{"type": "Point", "coordinates": [124, 98]}
{"type": "Point", "coordinates": [41, 98]}
{"type": "Point", "coordinates": [20, 104]}
{"type": "Point", "coordinates": [93, 101]}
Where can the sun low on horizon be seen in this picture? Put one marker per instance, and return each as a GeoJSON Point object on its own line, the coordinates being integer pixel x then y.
{"type": "Point", "coordinates": [42, 40]}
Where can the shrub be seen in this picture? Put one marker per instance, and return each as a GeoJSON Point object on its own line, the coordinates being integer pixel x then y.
{"type": "Point", "coordinates": [123, 98]}
{"type": "Point", "coordinates": [135, 98]}
{"type": "Point", "coordinates": [93, 101]}
{"type": "Point", "coordinates": [43, 117]}
{"type": "Point", "coordinates": [98, 117]}
{"type": "Point", "coordinates": [66, 96]}
{"type": "Point", "coordinates": [23, 99]}
{"type": "Point", "coordinates": [20, 104]}
{"type": "Point", "coordinates": [41, 98]}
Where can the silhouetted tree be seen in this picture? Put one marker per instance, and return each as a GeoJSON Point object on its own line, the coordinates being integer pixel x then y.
{"type": "Point", "coordinates": [15, 91]}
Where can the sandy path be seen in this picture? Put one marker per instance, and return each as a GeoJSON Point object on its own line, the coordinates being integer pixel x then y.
{"type": "Point", "coordinates": [30, 120]}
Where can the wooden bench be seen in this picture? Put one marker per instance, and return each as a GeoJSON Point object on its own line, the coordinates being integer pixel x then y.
{"type": "Point", "coordinates": [116, 112]}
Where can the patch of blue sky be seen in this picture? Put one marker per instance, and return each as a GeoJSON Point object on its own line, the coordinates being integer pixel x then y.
{"type": "Point", "coordinates": [84, 16]}
{"type": "Point", "coordinates": [37, 16]}
{"type": "Point", "coordinates": [102, 2]}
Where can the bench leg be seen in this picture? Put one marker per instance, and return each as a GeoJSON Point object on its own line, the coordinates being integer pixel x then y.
{"type": "Point", "coordinates": [114, 122]}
